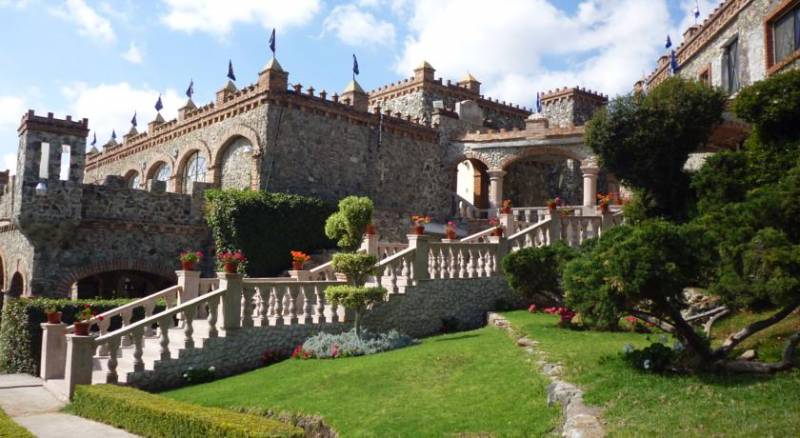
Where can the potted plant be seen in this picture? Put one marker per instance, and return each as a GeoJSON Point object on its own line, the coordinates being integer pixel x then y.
{"type": "Point", "coordinates": [53, 315]}
{"type": "Point", "coordinates": [498, 229]}
{"type": "Point", "coordinates": [552, 204]}
{"type": "Point", "coordinates": [603, 202]}
{"type": "Point", "coordinates": [419, 224]}
{"type": "Point", "coordinates": [299, 258]}
{"type": "Point", "coordinates": [232, 261]}
{"type": "Point", "coordinates": [506, 208]}
{"type": "Point", "coordinates": [371, 230]}
{"type": "Point", "coordinates": [83, 320]}
{"type": "Point", "coordinates": [450, 230]}
{"type": "Point", "coordinates": [189, 258]}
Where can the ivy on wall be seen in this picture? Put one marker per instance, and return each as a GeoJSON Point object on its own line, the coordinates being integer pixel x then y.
{"type": "Point", "coordinates": [266, 226]}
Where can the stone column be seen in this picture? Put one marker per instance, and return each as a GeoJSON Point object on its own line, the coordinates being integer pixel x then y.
{"type": "Point", "coordinates": [508, 223]}
{"type": "Point", "coordinates": [420, 262]}
{"type": "Point", "coordinates": [80, 351]}
{"type": "Point", "coordinates": [54, 351]}
{"type": "Point", "coordinates": [189, 281]}
{"type": "Point", "coordinates": [370, 245]}
{"type": "Point", "coordinates": [495, 190]}
{"type": "Point", "coordinates": [590, 173]}
{"type": "Point", "coordinates": [231, 300]}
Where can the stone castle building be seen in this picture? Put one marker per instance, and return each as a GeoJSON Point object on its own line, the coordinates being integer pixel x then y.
{"type": "Point", "coordinates": [115, 219]}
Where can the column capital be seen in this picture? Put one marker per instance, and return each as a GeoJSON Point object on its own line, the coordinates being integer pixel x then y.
{"type": "Point", "coordinates": [188, 274]}
{"type": "Point", "coordinates": [590, 169]}
{"type": "Point", "coordinates": [496, 173]}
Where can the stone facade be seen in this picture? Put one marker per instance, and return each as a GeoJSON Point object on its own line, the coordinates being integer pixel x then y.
{"type": "Point", "coordinates": [419, 312]}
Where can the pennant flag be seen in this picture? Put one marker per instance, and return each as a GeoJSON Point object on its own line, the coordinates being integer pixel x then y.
{"type": "Point", "coordinates": [114, 134]}
{"type": "Point", "coordinates": [538, 103]}
{"type": "Point", "coordinates": [355, 65]}
{"type": "Point", "coordinates": [231, 76]}
{"type": "Point", "coordinates": [696, 10]}
{"type": "Point", "coordinates": [159, 104]}
{"type": "Point", "coordinates": [190, 90]}
{"type": "Point", "coordinates": [94, 140]}
{"type": "Point", "coordinates": [133, 120]}
{"type": "Point", "coordinates": [272, 42]}
{"type": "Point", "coordinates": [673, 63]}
{"type": "Point", "coordinates": [669, 43]}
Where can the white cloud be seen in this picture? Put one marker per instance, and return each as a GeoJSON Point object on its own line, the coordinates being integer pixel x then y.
{"type": "Point", "coordinates": [9, 163]}
{"type": "Point", "coordinates": [111, 106]}
{"type": "Point", "coordinates": [528, 46]}
{"type": "Point", "coordinates": [11, 110]}
{"type": "Point", "coordinates": [217, 17]}
{"type": "Point", "coordinates": [357, 27]}
{"type": "Point", "coordinates": [89, 22]}
{"type": "Point", "coordinates": [133, 54]}
{"type": "Point", "coordinates": [15, 3]}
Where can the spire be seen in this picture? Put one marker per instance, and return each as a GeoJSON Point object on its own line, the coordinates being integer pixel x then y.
{"type": "Point", "coordinates": [424, 72]}
{"type": "Point", "coordinates": [356, 96]}
{"type": "Point", "coordinates": [353, 87]}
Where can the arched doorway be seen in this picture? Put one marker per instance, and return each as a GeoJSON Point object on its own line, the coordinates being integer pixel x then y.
{"type": "Point", "coordinates": [236, 165]}
{"type": "Point", "coordinates": [17, 285]}
{"type": "Point", "coordinates": [121, 284]}
{"type": "Point", "coordinates": [472, 183]}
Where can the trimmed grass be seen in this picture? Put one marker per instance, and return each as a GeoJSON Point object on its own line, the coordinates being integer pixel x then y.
{"type": "Point", "coordinates": [641, 404]}
{"type": "Point", "coordinates": [9, 428]}
{"type": "Point", "coordinates": [469, 382]}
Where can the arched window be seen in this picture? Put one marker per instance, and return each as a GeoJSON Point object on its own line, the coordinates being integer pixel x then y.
{"type": "Point", "coordinates": [17, 285]}
{"type": "Point", "coordinates": [195, 170]}
{"type": "Point", "coordinates": [163, 172]}
{"type": "Point", "coordinates": [134, 180]}
{"type": "Point", "coordinates": [237, 165]}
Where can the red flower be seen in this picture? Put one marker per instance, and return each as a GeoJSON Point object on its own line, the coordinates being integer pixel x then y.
{"type": "Point", "coordinates": [632, 319]}
{"type": "Point", "coordinates": [532, 308]}
{"type": "Point", "coordinates": [100, 318]}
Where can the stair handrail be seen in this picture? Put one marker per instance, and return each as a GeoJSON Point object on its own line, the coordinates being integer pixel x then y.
{"type": "Point", "coordinates": [172, 311]}
{"type": "Point", "coordinates": [480, 234]}
{"type": "Point", "coordinates": [397, 256]}
{"type": "Point", "coordinates": [325, 269]}
{"type": "Point", "coordinates": [545, 224]}
{"type": "Point", "coordinates": [118, 311]}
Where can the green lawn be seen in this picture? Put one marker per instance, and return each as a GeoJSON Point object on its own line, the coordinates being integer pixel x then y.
{"type": "Point", "coordinates": [9, 428]}
{"type": "Point", "coordinates": [639, 404]}
{"type": "Point", "coordinates": [471, 382]}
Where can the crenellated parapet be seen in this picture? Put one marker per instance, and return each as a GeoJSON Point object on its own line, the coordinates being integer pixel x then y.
{"type": "Point", "coordinates": [535, 128]}
{"type": "Point", "coordinates": [571, 105]}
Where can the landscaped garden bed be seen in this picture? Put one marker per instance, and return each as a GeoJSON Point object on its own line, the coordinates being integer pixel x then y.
{"type": "Point", "coordinates": [637, 403]}
{"type": "Point", "coordinates": [469, 382]}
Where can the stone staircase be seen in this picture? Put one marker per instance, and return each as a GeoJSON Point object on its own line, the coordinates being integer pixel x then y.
{"type": "Point", "coordinates": [228, 321]}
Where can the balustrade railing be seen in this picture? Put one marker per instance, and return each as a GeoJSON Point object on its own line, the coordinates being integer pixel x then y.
{"type": "Point", "coordinates": [462, 260]}
{"type": "Point", "coordinates": [536, 235]}
{"type": "Point", "coordinates": [397, 271]}
{"type": "Point", "coordinates": [577, 229]}
{"type": "Point", "coordinates": [281, 302]}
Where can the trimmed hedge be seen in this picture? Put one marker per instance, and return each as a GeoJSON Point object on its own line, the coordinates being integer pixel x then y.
{"type": "Point", "coordinates": [9, 428]}
{"type": "Point", "coordinates": [266, 226]}
{"type": "Point", "coordinates": [150, 415]}
{"type": "Point", "coordinates": [21, 332]}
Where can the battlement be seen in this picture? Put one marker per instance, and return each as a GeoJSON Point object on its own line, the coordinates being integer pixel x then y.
{"type": "Point", "coordinates": [698, 36]}
{"type": "Point", "coordinates": [574, 93]}
{"type": "Point", "coordinates": [67, 126]}
{"type": "Point", "coordinates": [534, 129]}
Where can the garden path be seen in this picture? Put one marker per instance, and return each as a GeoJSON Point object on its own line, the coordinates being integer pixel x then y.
{"type": "Point", "coordinates": [26, 401]}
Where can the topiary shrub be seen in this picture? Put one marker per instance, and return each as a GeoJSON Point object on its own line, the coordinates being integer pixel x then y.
{"type": "Point", "coordinates": [357, 299]}
{"type": "Point", "coordinates": [535, 273]}
{"type": "Point", "coordinates": [347, 225]}
{"type": "Point", "coordinates": [357, 266]}
{"type": "Point", "coordinates": [266, 226]}
{"type": "Point", "coordinates": [330, 346]}
{"type": "Point", "coordinates": [151, 415]}
{"type": "Point", "coordinates": [21, 332]}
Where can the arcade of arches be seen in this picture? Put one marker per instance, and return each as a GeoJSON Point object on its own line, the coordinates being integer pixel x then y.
{"type": "Point", "coordinates": [120, 284]}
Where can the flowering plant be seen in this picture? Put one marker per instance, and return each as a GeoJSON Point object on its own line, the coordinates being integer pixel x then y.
{"type": "Point", "coordinates": [86, 314]}
{"type": "Point", "coordinates": [494, 222]}
{"type": "Point", "coordinates": [300, 256]}
{"type": "Point", "coordinates": [299, 353]}
{"type": "Point", "coordinates": [532, 308]}
{"type": "Point", "coordinates": [555, 202]}
{"type": "Point", "coordinates": [450, 230]}
{"type": "Point", "coordinates": [235, 257]}
{"type": "Point", "coordinates": [565, 314]}
{"type": "Point", "coordinates": [420, 220]}
{"type": "Point", "coordinates": [191, 257]}
{"type": "Point", "coordinates": [506, 208]}
{"type": "Point", "coordinates": [604, 200]}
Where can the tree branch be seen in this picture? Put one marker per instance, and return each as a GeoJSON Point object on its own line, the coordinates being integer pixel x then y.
{"type": "Point", "coordinates": [733, 340]}
{"type": "Point", "coordinates": [649, 317]}
{"type": "Point", "coordinates": [787, 362]}
{"type": "Point", "coordinates": [711, 312]}
{"type": "Point", "coordinates": [713, 319]}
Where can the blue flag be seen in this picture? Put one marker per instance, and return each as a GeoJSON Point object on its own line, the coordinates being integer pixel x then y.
{"type": "Point", "coordinates": [538, 103]}
{"type": "Point", "coordinates": [94, 140]}
{"type": "Point", "coordinates": [272, 42]}
{"type": "Point", "coordinates": [190, 90]}
{"type": "Point", "coordinates": [696, 10]}
{"type": "Point", "coordinates": [133, 120]}
{"type": "Point", "coordinates": [669, 43]}
{"type": "Point", "coordinates": [159, 104]}
{"type": "Point", "coordinates": [355, 65]}
{"type": "Point", "coordinates": [231, 76]}
{"type": "Point", "coordinates": [673, 63]}
{"type": "Point", "coordinates": [114, 134]}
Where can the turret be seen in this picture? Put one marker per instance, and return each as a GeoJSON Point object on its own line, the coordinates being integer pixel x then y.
{"type": "Point", "coordinates": [424, 72]}
{"type": "Point", "coordinates": [470, 83]}
{"type": "Point", "coordinates": [356, 96]}
{"type": "Point", "coordinates": [273, 77]}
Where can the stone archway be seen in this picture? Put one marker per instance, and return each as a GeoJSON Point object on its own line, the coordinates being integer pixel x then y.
{"type": "Point", "coordinates": [65, 284]}
{"type": "Point", "coordinates": [235, 164]}
{"type": "Point", "coordinates": [17, 285]}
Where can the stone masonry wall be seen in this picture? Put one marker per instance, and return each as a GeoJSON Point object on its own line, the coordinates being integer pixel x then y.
{"type": "Point", "coordinates": [419, 312]}
{"type": "Point", "coordinates": [530, 182]}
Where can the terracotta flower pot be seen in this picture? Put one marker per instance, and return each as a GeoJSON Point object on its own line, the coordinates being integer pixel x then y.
{"type": "Point", "coordinates": [187, 266]}
{"type": "Point", "coordinates": [450, 234]}
{"type": "Point", "coordinates": [551, 205]}
{"type": "Point", "coordinates": [505, 210]}
{"type": "Point", "coordinates": [54, 318]}
{"type": "Point", "coordinates": [419, 230]}
{"type": "Point", "coordinates": [230, 267]}
{"type": "Point", "coordinates": [297, 266]}
{"type": "Point", "coordinates": [371, 230]}
{"type": "Point", "coordinates": [81, 328]}
{"type": "Point", "coordinates": [497, 232]}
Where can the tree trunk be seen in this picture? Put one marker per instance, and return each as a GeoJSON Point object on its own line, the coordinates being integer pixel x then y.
{"type": "Point", "coordinates": [787, 361]}
{"type": "Point", "coordinates": [736, 338]}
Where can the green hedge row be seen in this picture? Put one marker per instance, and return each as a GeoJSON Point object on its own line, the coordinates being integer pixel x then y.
{"type": "Point", "coordinates": [150, 415]}
{"type": "Point", "coordinates": [9, 428]}
{"type": "Point", "coordinates": [21, 332]}
{"type": "Point", "coordinates": [266, 226]}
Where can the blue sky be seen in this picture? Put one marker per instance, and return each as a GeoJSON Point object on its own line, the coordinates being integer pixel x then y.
{"type": "Point", "coordinates": [106, 59]}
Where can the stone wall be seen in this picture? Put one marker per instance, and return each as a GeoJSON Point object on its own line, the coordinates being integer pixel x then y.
{"type": "Point", "coordinates": [419, 312]}
{"type": "Point", "coordinates": [530, 182]}
{"type": "Point", "coordinates": [16, 252]}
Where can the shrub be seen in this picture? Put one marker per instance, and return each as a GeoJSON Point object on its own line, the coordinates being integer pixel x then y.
{"type": "Point", "coordinates": [772, 106]}
{"type": "Point", "coordinates": [193, 376]}
{"type": "Point", "coordinates": [356, 266]}
{"type": "Point", "coordinates": [9, 428]}
{"type": "Point", "coordinates": [151, 415]}
{"type": "Point", "coordinates": [358, 299]}
{"type": "Point", "coordinates": [536, 272]}
{"type": "Point", "coordinates": [347, 225]}
{"type": "Point", "coordinates": [21, 332]}
{"type": "Point", "coordinates": [266, 226]}
{"type": "Point", "coordinates": [655, 358]}
{"type": "Point", "coordinates": [329, 346]}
